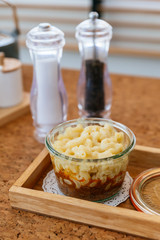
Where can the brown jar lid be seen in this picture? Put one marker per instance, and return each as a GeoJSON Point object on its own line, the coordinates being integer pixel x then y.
{"type": "Point", "coordinates": [145, 191]}
{"type": "Point", "coordinates": [9, 64]}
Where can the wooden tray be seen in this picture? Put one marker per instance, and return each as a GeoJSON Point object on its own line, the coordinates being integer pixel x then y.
{"type": "Point", "coordinates": [11, 113]}
{"type": "Point", "coordinates": [27, 194]}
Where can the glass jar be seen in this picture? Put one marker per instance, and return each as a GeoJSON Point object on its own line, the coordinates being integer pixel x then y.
{"type": "Point", "coordinates": [90, 179]}
{"type": "Point", "coordinates": [48, 95]}
{"type": "Point", "coordinates": [94, 86]}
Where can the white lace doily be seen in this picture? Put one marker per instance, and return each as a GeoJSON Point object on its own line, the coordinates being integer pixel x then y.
{"type": "Point", "coordinates": [50, 185]}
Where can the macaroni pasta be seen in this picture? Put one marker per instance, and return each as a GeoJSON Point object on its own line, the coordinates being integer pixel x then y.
{"type": "Point", "coordinates": [90, 142]}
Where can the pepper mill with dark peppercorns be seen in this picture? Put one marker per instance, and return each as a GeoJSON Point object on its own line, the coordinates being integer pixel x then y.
{"type": "Point", "coordinates": [94, 86]}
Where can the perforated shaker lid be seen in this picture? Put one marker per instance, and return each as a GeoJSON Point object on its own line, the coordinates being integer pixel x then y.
{"type": "Point", "coordinates": [45, 36]}
{"type": "Point", "coordinates": [94, 28]}
{"type": "Point", "coordinates": [145, 191]}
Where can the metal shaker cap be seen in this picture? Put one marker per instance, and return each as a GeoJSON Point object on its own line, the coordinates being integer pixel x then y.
{"type": "Point", "coordinates": [45, 36]}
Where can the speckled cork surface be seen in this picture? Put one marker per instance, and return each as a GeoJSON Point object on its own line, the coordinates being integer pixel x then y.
{"type": "Point", "coordinates": [135, 103]}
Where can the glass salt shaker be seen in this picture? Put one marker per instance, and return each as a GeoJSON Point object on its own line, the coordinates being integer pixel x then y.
{"type": "Point", "coordinates": [48, 94]}
{"type": "Point", "coordinates": [94, 86]}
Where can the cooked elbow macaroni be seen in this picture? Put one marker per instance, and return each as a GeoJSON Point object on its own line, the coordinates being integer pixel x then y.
{"type": "Point", "coordinates": [90, 142]}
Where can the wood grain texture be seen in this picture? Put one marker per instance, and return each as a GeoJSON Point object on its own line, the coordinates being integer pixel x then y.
{"type": "Point", "coordinates": [95, 214]}
{"type": "Point", "coordinates": [11, 113]}
{"type": "Point", "coordinates": [135, 104]}
{"type": "Point", "coordinates": [120, 218]}
{"type": "Point", "coordinates": [10, 65]}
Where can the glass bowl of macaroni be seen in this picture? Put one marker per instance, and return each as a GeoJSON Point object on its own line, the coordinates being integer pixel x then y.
{"type": "Point", "coordinates": [90, 157]}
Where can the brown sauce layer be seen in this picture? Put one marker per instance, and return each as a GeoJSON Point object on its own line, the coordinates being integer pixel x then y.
{"type": "Point", "coordinates": [96, 193]}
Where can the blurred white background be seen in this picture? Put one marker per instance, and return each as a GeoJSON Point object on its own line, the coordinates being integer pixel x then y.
{"type": "Point", "coordinates": [135, 46]}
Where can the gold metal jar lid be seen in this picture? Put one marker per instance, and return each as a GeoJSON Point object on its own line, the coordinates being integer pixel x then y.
{"type": "Point", "coordinates": [9, 64]}
{"type": "Point", "coordinates": [145, 191]}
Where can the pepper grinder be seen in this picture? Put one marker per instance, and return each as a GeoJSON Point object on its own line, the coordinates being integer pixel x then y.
{"type": "Point", "coordinates": [48, 95]}
{"type": "Point", "coordinates": [94, 86]}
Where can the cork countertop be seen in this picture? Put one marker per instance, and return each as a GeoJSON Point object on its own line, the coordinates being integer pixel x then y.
{"type": "Point", "coordinates": [135, 104]}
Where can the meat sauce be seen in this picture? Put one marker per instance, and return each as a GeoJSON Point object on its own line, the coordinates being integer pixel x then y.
{"type": "Point", "coordinates": [98, 192]}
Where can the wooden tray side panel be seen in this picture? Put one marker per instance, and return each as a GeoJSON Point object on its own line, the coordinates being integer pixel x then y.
{"type": "Point", "coordinates": [34, 171]}
{"type": "Point", "coordinates": [114, 218]}
{"type": "Point", "coordinates": [96, 214]}
{"type": "Point", "coordinates": [143, 158]}
{"type": "Point", "coordinates": [9, 114]}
